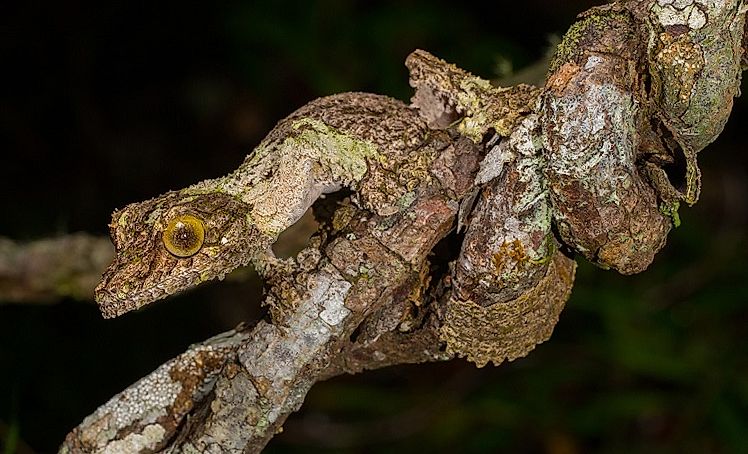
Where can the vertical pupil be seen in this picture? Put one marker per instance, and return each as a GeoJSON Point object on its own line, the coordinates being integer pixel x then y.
{"type": "Point", "coordinates": [184, 235]}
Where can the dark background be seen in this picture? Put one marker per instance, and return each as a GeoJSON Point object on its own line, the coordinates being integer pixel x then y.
{"type": "Point", "coordinates": [102, 105]}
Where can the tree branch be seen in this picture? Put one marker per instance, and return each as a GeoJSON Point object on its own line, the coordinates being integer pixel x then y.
{"type": "Point", "coordinates": [46, 270]}
{"type": "Point", "coordinates": [595, 163]}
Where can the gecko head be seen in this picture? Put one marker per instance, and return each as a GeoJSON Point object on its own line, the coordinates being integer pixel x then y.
{"type": "Point", "coordinates": [171, 243]}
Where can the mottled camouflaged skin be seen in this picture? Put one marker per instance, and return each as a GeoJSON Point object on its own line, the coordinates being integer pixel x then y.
{"type": "Point", "coordinates": [359, 140]}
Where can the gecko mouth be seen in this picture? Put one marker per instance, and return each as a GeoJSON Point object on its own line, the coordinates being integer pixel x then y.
{"type": "Point", "coordinates": [112, 304]}
{"type": "Point", "coordinates": [128, 284]}
{"type": "Point", "coordinates": [154, 261]}
{"type": "Point", "coordinates": [115, 295]}
{"type": "Point", "coordinates": [116, 299]}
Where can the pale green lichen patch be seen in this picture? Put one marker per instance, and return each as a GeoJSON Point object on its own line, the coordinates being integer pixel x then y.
{"type": "Point", "coordinates": [259, 153]}
{"type": "Point", "coordinates": [572, 44]}
{"type": "Point", "coordinates": [343, 155]}
{"type": "Point", "coordinates": [485, 108]}
{"type": "Point", "coordinates": [122, 220]}
{"type": "Point", "coordinates": [446, 94]}
{"type": "Point", "coordinates": [391, 187]}
{"type": "Point", "coordinates": [406, 200]}
{"type": "Point", "coordinates": [472, 99]}
{"type": "Point", "coordinates": [671, 210]}
{"type": "Point", "coordinates": [313, 159]}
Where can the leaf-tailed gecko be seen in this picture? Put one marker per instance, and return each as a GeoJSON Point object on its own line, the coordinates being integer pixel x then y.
{"type": "Point", "coordinates": [182, 238]}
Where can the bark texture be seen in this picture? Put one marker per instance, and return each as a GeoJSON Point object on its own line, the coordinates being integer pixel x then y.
{"type": "Point", "coordinates": [595, 162]}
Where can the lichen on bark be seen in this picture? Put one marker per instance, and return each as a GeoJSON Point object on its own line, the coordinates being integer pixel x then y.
{"type": "Point", "coordinates": [694, 55]}
{"type": "Point", "coordinates": [594, 163]}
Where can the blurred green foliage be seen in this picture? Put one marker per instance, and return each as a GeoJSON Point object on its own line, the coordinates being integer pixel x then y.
{"type": "Point", "coordinates": [116, 103]}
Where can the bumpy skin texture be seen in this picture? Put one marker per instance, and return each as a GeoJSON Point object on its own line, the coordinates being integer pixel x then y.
{"type": "Point", "coordinates": [509, 330]}
{"type": "Point", "coordinates": [509, 282]}
{"type": "Point", "coordinates": [594, 152]}
{"type": "Point", "coordinates": [325, 145]}
{"type": "Point", "coordinates": [144, 271]}
{"type": "Point", "coordinates": [331, 143]}
{"type": "Point", "coordinates": [446, 93]}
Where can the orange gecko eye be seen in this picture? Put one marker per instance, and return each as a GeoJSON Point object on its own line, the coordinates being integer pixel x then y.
{"type": "Point", "coordinates": [184, 236]}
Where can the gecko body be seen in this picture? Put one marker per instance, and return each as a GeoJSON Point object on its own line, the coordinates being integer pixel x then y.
{"type": "Point", "coordinates": [182, 238]}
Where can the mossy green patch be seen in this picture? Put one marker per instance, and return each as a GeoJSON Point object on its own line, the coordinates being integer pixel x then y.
{"type": "Point", "coordinates": [585, 28]}
{"type": "Point", "coordinates": [344, 155]}
{"type": "Point", "coordinates": [671, 210]}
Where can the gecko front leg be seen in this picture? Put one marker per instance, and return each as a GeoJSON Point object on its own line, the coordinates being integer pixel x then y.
{"type": "Point", "coordinates": [175, 241]}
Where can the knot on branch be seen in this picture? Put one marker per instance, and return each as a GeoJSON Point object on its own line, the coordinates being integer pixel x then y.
{"type": "Point", "coordinates": [635, 91]}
